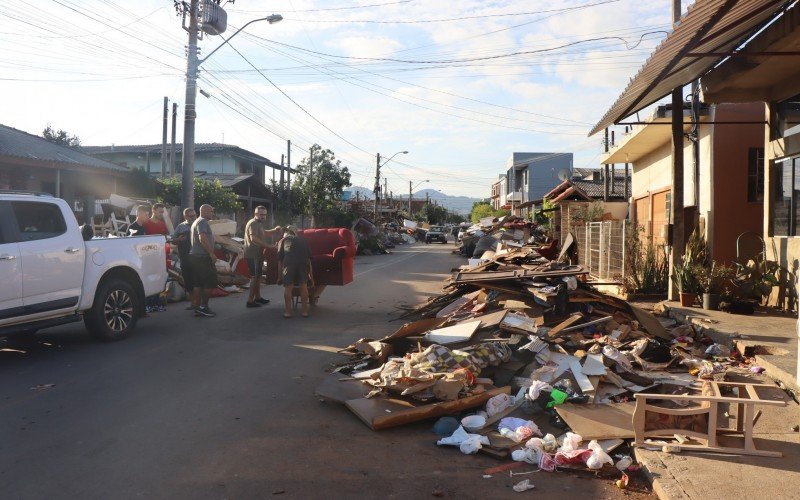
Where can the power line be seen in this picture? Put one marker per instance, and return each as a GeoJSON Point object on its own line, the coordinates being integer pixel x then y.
{"type": "Point", "coordinates": [451, 19]}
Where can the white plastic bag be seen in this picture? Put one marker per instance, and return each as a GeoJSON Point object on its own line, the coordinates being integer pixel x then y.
{"type": "Point", "coordinates": [571, 442]}
{"type": "Point", "coordinates": [528, 455]}
{"type": "Point", "coordinates": [536, 388]}
{"type": "Point", "coordinates": [624, 463]}
{"type": "Point", "coordinates": [549, 443]}
{"type": "Point", "coordinates": [498, 403]}
{"type": "Point", "coordinates": [524, 485]}
{"type": "Point", "coordinates": [471, 445]}
{"type": "Point", "coordinates": [598, 457]}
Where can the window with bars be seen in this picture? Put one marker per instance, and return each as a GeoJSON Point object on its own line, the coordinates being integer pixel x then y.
{"type": "Point", "coordinates": [755, 175]}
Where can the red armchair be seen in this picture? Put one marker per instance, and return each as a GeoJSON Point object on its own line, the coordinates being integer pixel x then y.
{"type": "Point", "coordinates": [333, 252]}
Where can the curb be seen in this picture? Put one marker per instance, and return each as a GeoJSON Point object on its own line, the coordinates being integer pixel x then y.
{"type": "Point", "coordinates": [664, 484]}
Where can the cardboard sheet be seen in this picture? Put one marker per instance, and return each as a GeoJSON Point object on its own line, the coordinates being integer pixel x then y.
{"type": "Point", "coordinates": [612, 421]}
{"type": "Point", "coordinates": [460, 332]}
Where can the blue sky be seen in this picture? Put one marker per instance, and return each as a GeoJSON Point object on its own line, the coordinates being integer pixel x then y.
{"type": "Point", "coordinates": [438, 79]}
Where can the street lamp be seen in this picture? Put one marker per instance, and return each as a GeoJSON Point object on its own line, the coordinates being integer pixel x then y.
{"type": "Point", "coordinates": [378, 166]}
{"type": "Point", "coordinates": [410, 194]}
{"type": "Point", "coordinates": [190, 114]}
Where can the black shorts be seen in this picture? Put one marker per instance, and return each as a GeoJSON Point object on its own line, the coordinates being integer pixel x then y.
{"type": "Point", "coordinates": [205, 272]}
{"type": "Point", "coordinates": [295, 275]}
{"type": "Point", "coordinates": [187, 272]}
{"type": "Point", "coordinates": [256, 266]}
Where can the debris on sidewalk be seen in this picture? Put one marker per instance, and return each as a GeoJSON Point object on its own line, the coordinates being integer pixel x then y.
{"type": "Point", "coordinates": [528, 362]}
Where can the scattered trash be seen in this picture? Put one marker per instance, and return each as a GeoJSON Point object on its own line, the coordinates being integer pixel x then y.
{"type": "Point", "coordinates": [516, 345]}
{"type": "Point", "coordinates": [523, 485]}
{"type": "Point", "coordinates": [42, 387]}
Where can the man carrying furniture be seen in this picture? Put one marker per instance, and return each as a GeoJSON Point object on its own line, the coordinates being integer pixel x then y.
{"type": "Point", "coordinates": [203, 259]}
{"type": "Point", "coordinates": [255, 240]}
{"type": "Point", "coordinates": [294, 256]}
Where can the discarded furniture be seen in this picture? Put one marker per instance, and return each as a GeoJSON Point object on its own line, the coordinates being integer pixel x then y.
{"type": "Point", "coordinates": [550, 250]}
{"type": "Point", "coordinates": [332, 255]}
{"type": "Point", "coordinates": [333, 252]}
{"type": "Point", "coordinates": [703, 417]}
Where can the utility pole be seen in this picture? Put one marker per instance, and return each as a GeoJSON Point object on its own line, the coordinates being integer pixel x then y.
{"type": "Point", "coordinates": [311, 185]}
{"type": "Point", "coordinates": [288, 173]}
{"type": "Point", "coordinates": [172, 146]}
{"type": "Point", "coordinates": [410, 215]}
{"type": "Point", "coordinates": [678, 243]}
{"type": "Point", "coordinates": [377, 183]}
{"type": "Point", "coordinates": [190, 113]}
{"type": "Point", "coordinates": [282, 176]}
{"type": "Point", "coordinates": [164, 138]}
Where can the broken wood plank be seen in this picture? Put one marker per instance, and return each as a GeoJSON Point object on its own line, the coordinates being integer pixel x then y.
{"type": "Point", "coordinates": [383, 413]}
{"type": "Point", "coordinates": [564, 324]}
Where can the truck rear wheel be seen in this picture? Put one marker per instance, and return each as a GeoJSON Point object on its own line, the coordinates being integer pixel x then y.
{"type": "Point", "coordinates": [113, 315]}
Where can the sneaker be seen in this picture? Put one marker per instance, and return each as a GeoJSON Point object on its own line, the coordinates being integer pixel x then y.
{"type": "Point", "coordinates": [261, 301]}
{"type": "Point", "coordinates": [161, 309]}
{"type": "Point", "coordinates": [204, 311]}
{"type": "Point", "coordinates": [253, 304]}
{"type": "Point", "coordinates": [148, 309]}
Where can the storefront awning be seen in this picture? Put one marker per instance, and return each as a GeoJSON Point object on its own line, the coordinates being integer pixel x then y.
{"type": "Point", "coordinates": [702, 37]}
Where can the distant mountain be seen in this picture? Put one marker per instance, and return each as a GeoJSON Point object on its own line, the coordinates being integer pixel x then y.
{"type": "Point", "coordinates": [364, 193]}
{"type": "Point", "coordinates": [459, 204]}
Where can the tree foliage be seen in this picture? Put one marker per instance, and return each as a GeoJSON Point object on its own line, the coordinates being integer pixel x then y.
{"type": "Point", "coordinates": [206, 191]}
{"type": "Point", "coordinates": [61, 137]}
{"type": "Point", "coordinates": [321, 179]}
{"type": "Point", "coordinates": [433, 214]}
{"type": "Point", "coordinates": [481, 209]}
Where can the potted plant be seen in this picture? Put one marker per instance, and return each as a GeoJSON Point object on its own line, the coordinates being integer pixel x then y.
{"type": "Point", "coordinates": [713, 282]}
{"type": "Point", "coordinates": [685, 278]}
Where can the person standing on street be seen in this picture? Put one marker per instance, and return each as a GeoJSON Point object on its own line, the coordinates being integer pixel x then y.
{"type": "Point", "coordinates": [203, 259]}
{"type": "Point", "coordinates": [155, 225]}
{"type": "Point", "coordinates": [294, 256]}
{"type": "Point", "coordinates": [255, 240]}
{"type": "Point", "coordinates": [142, 216]}
{"type": "Point", "coordinates": [182, 237]}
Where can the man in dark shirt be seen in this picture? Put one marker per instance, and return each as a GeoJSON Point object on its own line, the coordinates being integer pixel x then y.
{"type": "Point", "coordinates": [294, 257]}
{"type": "Point", "coordinates": [182, 237]}
{"type": "Point", "coordinates": [142, 216]}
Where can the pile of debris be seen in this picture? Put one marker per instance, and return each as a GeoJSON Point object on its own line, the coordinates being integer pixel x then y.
{"type": "Point", "coordinates": [520, 349]}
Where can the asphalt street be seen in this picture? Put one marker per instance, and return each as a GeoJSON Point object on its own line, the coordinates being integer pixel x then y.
{"type": "Point", "coordinates": [224, 407]}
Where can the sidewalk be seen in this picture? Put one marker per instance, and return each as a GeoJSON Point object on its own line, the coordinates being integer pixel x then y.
{"type": "Point", "coordinates": [772, 338]}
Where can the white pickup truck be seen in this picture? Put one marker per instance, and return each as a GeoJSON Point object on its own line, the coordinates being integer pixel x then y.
{"type": "Point", "coordinates": [49, 275]}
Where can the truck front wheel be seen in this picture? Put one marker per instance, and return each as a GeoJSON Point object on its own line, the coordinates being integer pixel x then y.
{"type": "Point", "coordinates": [113, 315]}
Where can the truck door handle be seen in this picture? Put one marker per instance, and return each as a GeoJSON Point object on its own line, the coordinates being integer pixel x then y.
{"type": "Point", "coordinates": [72, 250]}
{"type": "Point", "coordinates": [7, 257]}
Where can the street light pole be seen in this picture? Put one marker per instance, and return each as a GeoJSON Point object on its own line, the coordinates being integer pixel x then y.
{"type": "Point", "coordinates": [378, 166]}
{"type": "Point", "coordinates": [190, 113]}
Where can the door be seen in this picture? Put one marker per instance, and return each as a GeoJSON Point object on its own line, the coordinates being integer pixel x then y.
{"type": "Point", "coordinates": [660, 217]}
{"type": "Point", "coordinates": [52, 254]}
{"type": "Point", "coordinates": [10, 271]}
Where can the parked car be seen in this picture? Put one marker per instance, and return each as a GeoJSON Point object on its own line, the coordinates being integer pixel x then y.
{"type": "Point", "coordinates": [436, 233]}
{"type": "Point", "coordinates": [52, 275]}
